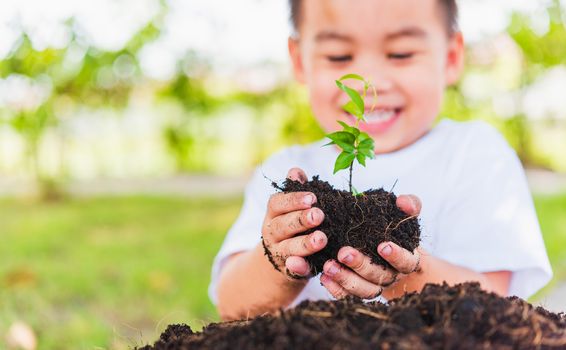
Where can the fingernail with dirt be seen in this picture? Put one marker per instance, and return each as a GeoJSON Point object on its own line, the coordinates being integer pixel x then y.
{"type": "Point", "coordinates": [308, 199]}
{"type": "Point", "coordinates": [386, 250]}
{"type": "Point", "coordinates": [318, 239]}
{"type": "Point", "coordinates": [332, 270]}
{"type": "Point", "coordinates": [315, 216]}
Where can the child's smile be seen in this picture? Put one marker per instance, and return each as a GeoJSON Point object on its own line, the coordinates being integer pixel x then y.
{"type": "Point", "coordinates": [378, 120]}
{"type": "Point", "coordinates": [402, 47]}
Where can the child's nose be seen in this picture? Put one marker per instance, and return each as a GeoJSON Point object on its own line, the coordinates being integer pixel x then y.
{"type": "Point", "coordinates": [382, 83]}
{"type": "Point", "coordinates": [378, 79]}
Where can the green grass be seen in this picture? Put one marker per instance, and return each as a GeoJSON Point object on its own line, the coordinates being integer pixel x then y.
{"type": "Point", "coordinates": [108, 273]}
{"type": "Point", "coordinates": [111, 273]}
{"type": "Point", "coordinates": [551, 211]}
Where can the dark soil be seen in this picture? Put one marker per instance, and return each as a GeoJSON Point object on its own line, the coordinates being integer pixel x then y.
{"type": "Point", "coordinates": [440, 317]}
{"type": "Point", "coordinates": [361, 222]}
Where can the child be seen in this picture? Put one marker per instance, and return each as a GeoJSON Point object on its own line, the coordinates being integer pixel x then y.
{"type": "Point", "coordinates": [477, 219]}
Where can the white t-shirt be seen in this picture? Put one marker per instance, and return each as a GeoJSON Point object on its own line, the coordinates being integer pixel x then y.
{"type": "Point", "coordinates": [477, 211]}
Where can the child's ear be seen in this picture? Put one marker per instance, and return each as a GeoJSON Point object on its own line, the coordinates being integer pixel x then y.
{"type": "Point", "coordinates": [296, 59]}
{"type": "Point", "coordinates": [454, 58]}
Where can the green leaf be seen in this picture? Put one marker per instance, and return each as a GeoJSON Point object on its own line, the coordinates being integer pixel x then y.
{"type": "Point", "coordinates": [367, 144]}
{"type": "Point", "coordinates": [353, 109]}
{"type": "Point", "coordinates": [366, 147]}
{"type": "Point", "coordinates": [350, 129]}
{"type": "Point", "coordinates": [363, 136]}
{"type": "Point", "coordinates": [346, 147]}
{"type": "Point", "coordinates": [345, 126]}
{"type": "Point", "coordinates": [344, 140]}
{"type": "Point", "coordinates": [343, 161]}
{"type": "Point", "coordinates": [354, 95]}
{"type": "Point", "coordinates": [342, 136]}
{"type": "Point", "coordinates": [352, 76]}
{"type": "Point", "coordinates": [356, 77]}
{"type": "Point", "coordinates": [361, 158]}
{"type": "Point", "coordinates": [367, 153]}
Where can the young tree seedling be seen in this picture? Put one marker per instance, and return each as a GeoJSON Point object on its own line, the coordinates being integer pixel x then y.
{"type": "Point", "coordinates": [355, 144]}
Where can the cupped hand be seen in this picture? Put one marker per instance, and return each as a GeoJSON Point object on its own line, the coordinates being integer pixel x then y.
{"type": "Point", "coordinates": [355, 274]}
{"type": "Point", "coordinates": [288, 215]}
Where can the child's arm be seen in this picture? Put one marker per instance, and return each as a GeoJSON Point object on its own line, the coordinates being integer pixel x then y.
{"type": "Point", "coordinates": [364, 278]}
{"type": "Point", "coordinates": [435, 270]}
{"type": "Point", "coordinates": [249, 284]}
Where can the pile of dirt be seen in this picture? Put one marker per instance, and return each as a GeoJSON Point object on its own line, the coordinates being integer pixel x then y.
{"type": "Point", "coordinates": [361, 222]}
{"type": "Point", "coordinates": [440, 317]}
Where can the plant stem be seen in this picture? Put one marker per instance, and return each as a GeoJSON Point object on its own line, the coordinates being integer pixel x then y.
{"type": "Point", "coordinates": [356, 145]}
{"type": "Point", "coordinates": [350, 183]}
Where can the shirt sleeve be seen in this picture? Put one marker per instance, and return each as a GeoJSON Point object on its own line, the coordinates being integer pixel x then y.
{"type": "Point", "coordinates": [489, 221]}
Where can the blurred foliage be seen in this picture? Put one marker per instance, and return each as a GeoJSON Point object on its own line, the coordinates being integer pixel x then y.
{"type": "Point", "coordinates": [540, 51]}
{"type": "Point", "coordinates": [80, 75]}
{"type": "Point", "coordinates": [181, 135]}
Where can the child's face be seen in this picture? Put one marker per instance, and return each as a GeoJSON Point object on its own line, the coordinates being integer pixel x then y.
{"type": "Point", "coordinates": [401, 46]}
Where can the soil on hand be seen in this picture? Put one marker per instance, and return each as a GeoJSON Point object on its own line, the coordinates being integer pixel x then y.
{"type": "Point", "coordinates": [361, 222]}
{"type": "Point", "coordinates": [440, 317]}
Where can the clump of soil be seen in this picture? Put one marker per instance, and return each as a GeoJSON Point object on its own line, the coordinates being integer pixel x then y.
{"type": "Point", "coordinates": [440, 317]}
{"type": "Point", "coordinates": [361, 222]}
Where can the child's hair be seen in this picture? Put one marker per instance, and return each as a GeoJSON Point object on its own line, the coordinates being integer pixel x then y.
{"type": "Point", "coordinates": [450, 11]}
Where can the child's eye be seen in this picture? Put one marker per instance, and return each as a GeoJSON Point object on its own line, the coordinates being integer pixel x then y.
{"type": "Point", "coordinates": [341, 58]}
{"type": "Point", "coordinates": [400, 55]}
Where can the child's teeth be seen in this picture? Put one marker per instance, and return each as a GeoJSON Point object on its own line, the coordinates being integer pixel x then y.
{"type": "Point", "coordinates": [379, 116]}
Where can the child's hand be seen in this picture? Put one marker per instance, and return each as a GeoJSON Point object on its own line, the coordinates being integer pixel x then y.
{"type": "Point", "coordinates": [289, 214]}
{"type": "Point", "coordinates": [362, 278]}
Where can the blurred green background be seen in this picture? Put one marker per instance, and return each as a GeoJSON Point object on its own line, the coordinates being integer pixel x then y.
{"type": "Point", "coordinates": [125, 144]}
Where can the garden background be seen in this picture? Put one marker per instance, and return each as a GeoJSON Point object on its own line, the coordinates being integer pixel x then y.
{"type": "Point", "coordinates": [128, 130]}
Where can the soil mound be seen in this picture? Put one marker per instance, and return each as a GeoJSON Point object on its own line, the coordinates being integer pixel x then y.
{"type": "Point", "coordinates": [440, 317]}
